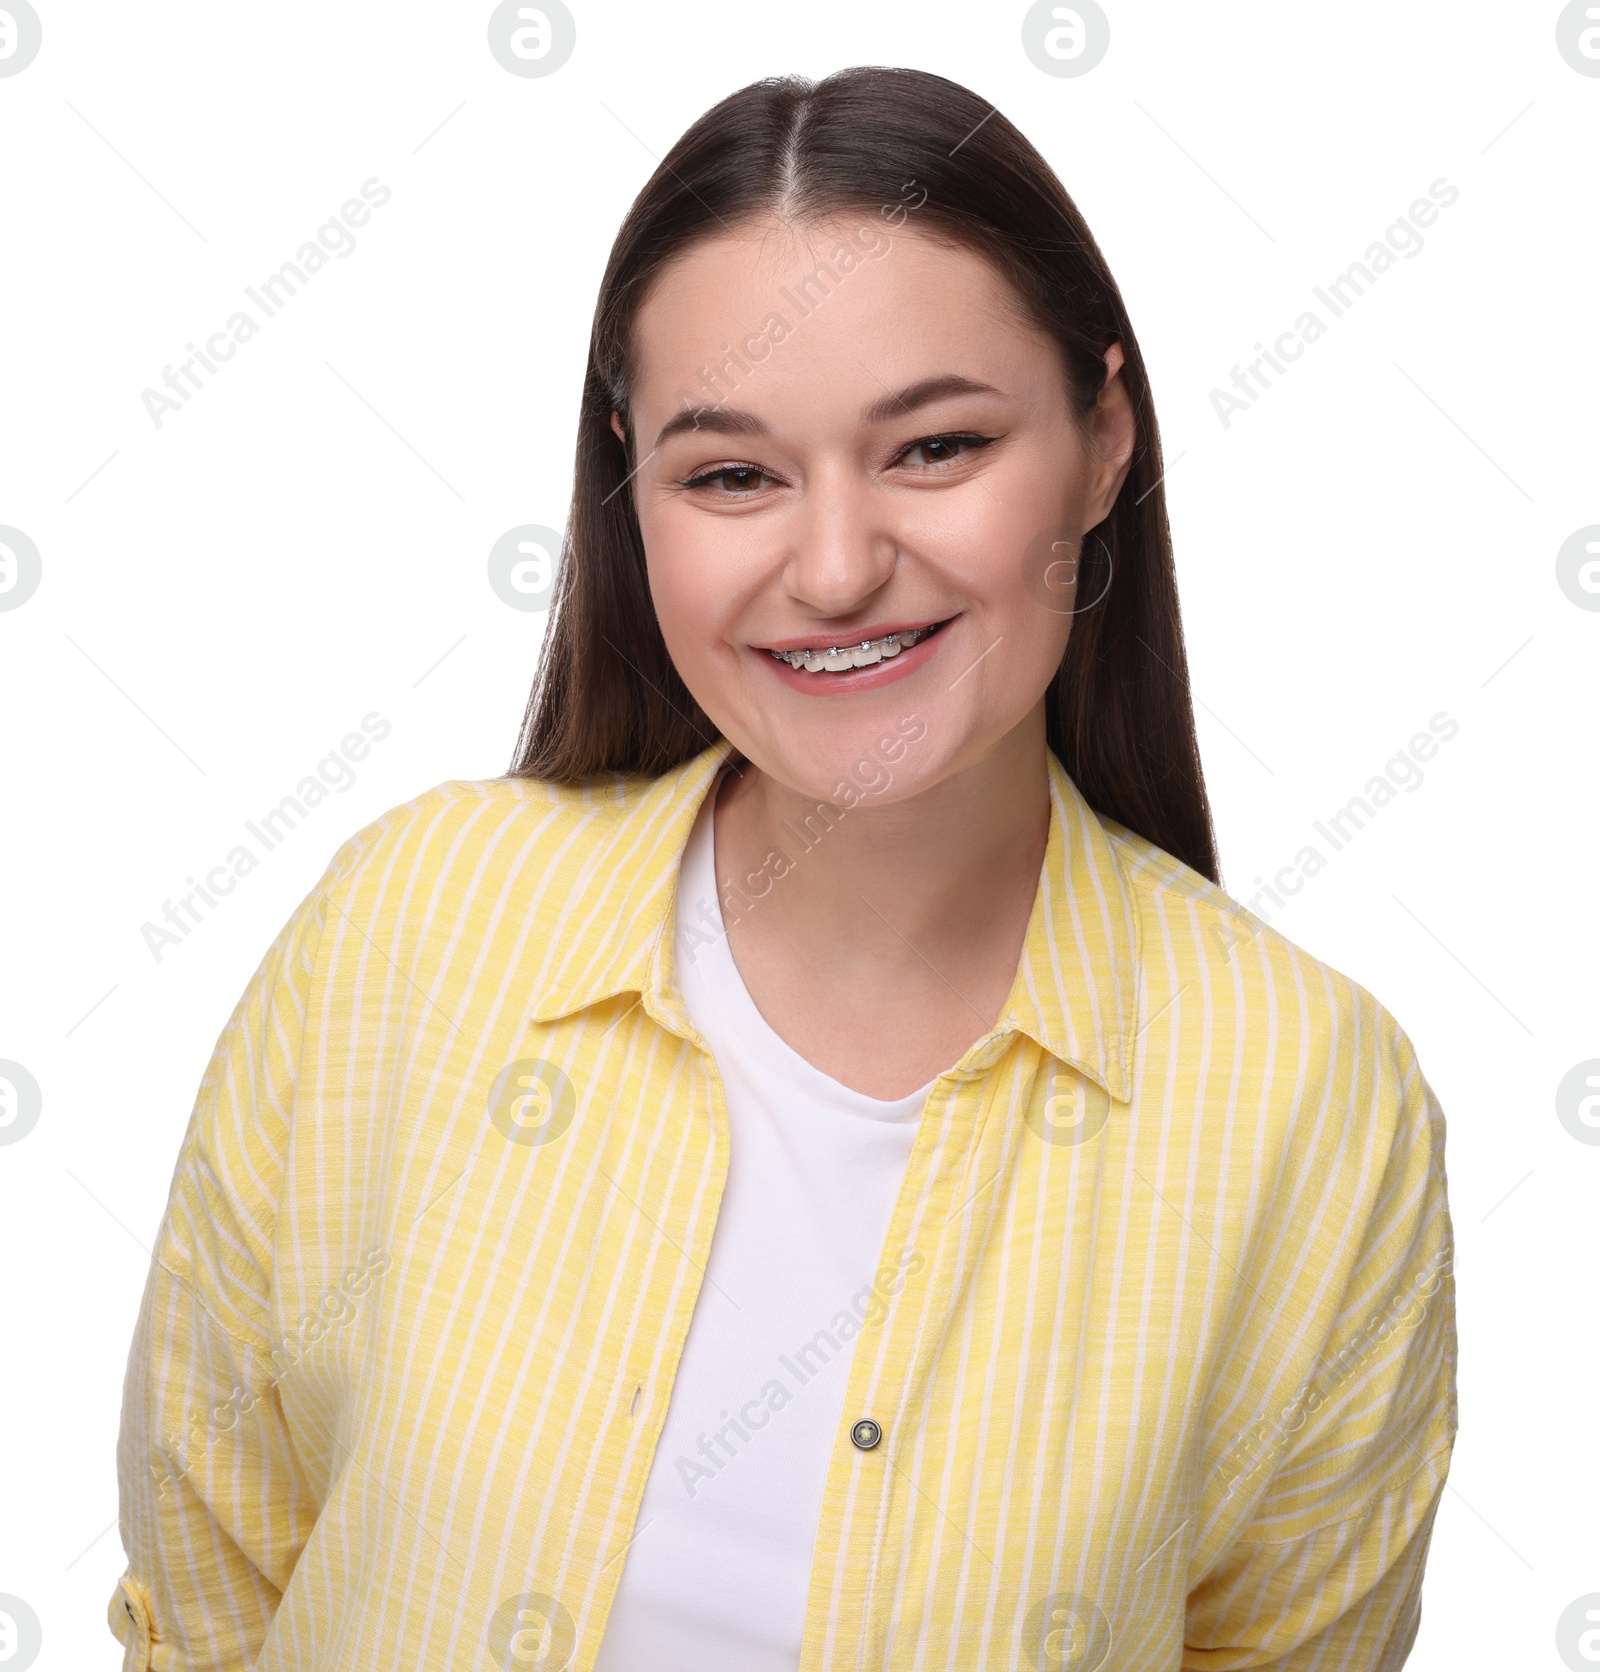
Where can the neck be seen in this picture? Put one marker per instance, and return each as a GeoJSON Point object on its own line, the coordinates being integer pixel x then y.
{"type": "Point", "coordinates": [944, 879]}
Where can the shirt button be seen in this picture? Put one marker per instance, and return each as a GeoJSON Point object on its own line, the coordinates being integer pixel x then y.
{"type": "Point", "coordinates": [866, 1434]}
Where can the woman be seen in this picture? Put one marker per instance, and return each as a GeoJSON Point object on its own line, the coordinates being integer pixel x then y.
{"type": "Point", "coordinates": [810, 1170]}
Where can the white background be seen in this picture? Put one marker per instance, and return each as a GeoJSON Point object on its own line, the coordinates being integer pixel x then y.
{"type": "Point", "coordinates": [224, 597]}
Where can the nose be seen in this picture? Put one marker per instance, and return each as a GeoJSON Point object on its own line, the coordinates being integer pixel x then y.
{"type": "Point", "coordinates": [842, 550]}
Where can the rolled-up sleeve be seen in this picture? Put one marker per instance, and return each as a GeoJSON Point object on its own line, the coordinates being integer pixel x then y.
{"type": "Point", "coordinates": [214, 1506]}
{"type": "Point", "coordinates": [1340, 1482]}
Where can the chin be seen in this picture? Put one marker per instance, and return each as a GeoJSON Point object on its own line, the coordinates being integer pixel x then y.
{"type": "Point", "coordinates": [885, 761]}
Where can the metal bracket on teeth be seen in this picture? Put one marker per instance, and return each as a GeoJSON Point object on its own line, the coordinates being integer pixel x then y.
{"type": "Point", "coordinates": [903, 640]}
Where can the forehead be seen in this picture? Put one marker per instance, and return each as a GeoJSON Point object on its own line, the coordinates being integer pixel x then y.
{"type": "Point", "coordinates": [845, 302]}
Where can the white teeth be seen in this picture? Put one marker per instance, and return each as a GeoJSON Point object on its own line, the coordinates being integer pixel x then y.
{"type": "Point", "coordinates": [839, 660]}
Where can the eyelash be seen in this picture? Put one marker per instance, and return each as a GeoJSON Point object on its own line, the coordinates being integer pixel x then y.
{"type": "Point", "coordinates": [964, 438]}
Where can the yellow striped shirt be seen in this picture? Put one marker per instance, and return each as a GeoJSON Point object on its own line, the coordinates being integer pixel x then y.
{"type": "Point", "coordinates": [1162, 1345]}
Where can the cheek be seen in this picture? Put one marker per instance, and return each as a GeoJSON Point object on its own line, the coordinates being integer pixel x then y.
{"type": "Point", "coordinates": [1039, 531]}
{"type": "Point", "coordinates": [987, 543]}
{"type": "Point", "coordinates": [695, 585]}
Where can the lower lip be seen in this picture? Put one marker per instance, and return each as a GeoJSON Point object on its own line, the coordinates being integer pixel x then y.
{"type": "Point", "coordinates": [885, 672]}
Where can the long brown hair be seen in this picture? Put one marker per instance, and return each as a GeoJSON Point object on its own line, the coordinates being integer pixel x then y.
{"type": "Point", "coordinates": [607, 697]}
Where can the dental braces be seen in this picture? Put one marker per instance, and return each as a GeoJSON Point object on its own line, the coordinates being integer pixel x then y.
{"type": "Point", "coordinates": [837, 658]}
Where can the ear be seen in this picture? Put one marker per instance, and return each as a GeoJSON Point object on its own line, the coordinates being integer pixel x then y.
{"type": "Point", "coordinates": [1113, 432]}
{"type": "Point", "coordinates": [622, 434]}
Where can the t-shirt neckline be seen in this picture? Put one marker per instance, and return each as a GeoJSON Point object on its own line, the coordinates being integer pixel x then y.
{"type": "Point", "coordinates": [716, 979]}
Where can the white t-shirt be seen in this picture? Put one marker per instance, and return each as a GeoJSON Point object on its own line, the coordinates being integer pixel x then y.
{"type": "Point", "coordinates": [717, 1575]}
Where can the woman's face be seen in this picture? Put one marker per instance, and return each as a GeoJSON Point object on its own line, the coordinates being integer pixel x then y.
{"type": "Point", "coordinates": [840, 437]}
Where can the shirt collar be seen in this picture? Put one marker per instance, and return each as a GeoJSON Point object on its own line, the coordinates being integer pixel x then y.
{"type": "Point", "coordinates": [1077, 986]}
{"type": "Point", "coordinates": [1076, 989]}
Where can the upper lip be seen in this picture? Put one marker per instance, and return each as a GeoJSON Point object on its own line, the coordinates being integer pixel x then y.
{"type": "Point", "coordinates": [846, 638]}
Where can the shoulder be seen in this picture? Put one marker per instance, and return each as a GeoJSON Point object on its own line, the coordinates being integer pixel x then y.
{"type": "Point", "coordinates": [463, 825]}
{"type": "Point", "coordinates": [1276, 1056]}
{"type": "Point", "coordinates": [1254, 983]}
{"type": "Point", "coordinates": [486, 863]}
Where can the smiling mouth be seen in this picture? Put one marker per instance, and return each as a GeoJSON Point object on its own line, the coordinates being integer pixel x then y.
{"type": "Point", "coordinates": [846, 658]}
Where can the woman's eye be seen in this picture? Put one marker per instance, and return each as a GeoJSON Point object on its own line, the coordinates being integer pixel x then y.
{"type": "Point", "coordinates": [731, 479]}
{"type": "Point", "coordinates": [942, 449]}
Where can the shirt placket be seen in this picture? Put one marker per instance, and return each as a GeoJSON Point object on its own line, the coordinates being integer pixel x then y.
{"type": "Point", "coordinates": [846, 1616]}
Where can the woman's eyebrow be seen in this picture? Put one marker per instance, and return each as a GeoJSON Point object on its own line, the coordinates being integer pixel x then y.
{"type": "Point", "coordinates": [729, 420]}
{"type": "Point", "coordinates": [922, 392]}
{"type": "Point", "coordinates": [718, 420]}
